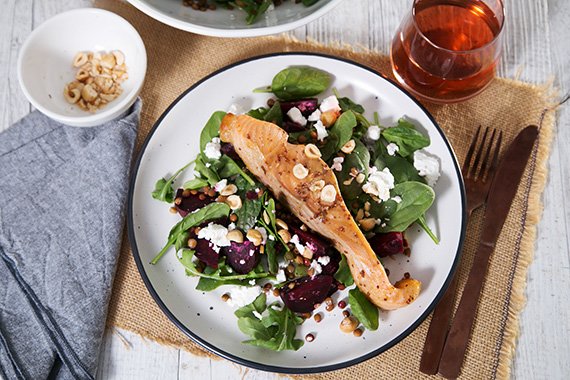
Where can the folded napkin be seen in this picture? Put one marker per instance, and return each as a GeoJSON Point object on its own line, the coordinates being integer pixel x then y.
{"type": "Point", "coordinates": [62, 196]}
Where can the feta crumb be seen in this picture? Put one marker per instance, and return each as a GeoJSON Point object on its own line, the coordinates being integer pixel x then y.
{"type": "Point", "coordinates": [231, 226]}
{"type": "Point", "coordinates": [316, 267]}
{"type": "Point", "coordinates": [263, 233]}
{"type": "Point", "coordinates": [330, 104]}
{"type": "Point", "coordinates": [280, 277]}
{"type": "Point", "coordinates": [315, 116]}
{"type": "Point", "coordinates": [373, 133]}
{"type": "Point", "coordinates": [213, 149]}
{"type": "Point", "coordinates": [216, 234]}
{"type": "Point", "coordinates": [220, 185]}
{"type": "Point", "coordinates": [321, 130]}
{"type": "Point", "coordinates": [271, 237]}
{"type": "Point", "coordinates": [397, 199]}
{"type": "Point", "coordinates": [243, 295]}
{"type": "Point", "coordinates": [337, 163]}
{"type": "Point", "coordinates": [256, 314]}
{"type": "Point", "coordinates": [208, 164]}
{"type": "Point", "coordinates": [296, 116]}
{"type": "Point", "coordinates": [378, 221]}
{"type": "Point", "coordinates": [295, 240]}
{"type": "Point", "coordinates": [392, 149]}
{"type": "Point", "coordinates": [379, 183]}
{"type": "Point", "coordinates": [236, 109]}
{"type": "Point", "coordinates": [324, 260]}
{"type": "Point", "coordinates": [252, 282]}
{"type": "Point", "coordinates": [196, 174]}
{"type": "Point", "coordinates": [242, 261]}
{"type": "Point", "coordinates": [383, 225]}
{"type": "Point", "coordinates": [427, 165]}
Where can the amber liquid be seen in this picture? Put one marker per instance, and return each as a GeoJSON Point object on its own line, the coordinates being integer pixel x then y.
{"type": "Point", "coordinates": [450, 52]}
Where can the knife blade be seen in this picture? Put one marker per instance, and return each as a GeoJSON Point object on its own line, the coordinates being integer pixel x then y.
{"type": "Point", "coordinates": [501, 194]}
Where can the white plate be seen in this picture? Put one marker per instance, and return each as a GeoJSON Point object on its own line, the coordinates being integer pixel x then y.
{"type": "Point", "coordinates": [204, 316]}
{"type": "Point", "coordinates": [226, 23]}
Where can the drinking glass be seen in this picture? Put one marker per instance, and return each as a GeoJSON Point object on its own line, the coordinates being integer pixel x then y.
{"type": "Point", "coordinates": [446, 51]}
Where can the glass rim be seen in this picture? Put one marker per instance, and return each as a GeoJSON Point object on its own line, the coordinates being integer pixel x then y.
{"type": "Point", "coordinates": [495, 39]}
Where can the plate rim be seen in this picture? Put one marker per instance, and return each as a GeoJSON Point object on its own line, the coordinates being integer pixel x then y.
{"type": "Point", "coordinates": [186, 26]}
{"type": "Point", "coordinates": [252, 364]}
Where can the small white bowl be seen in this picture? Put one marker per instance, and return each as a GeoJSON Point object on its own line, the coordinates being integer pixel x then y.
{"type": "Point", "coordinates": [45, 63]}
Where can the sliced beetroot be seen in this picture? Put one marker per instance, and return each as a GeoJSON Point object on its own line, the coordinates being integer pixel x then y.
{"type": "Point", "coordinates": [192, 202]}
{"type": "Point", "coordinates": [306, 106]}
{"type": "Point", "coordinates": [206, 254]}
{"type": "Point", "coordinates": [333, 264]}
{"type": "Point", "coordinates": [229, 150]}
{"type": "Point", "coordinates": [291, 126]}
{"type": "Point", "coordinates": [242, 257]}
{"type": "Point", "coordinates": [314, 242]}
{"type": "Point", "coordinates": [306, 292]}
{"type": "Point", "coordinates": [388, 244]}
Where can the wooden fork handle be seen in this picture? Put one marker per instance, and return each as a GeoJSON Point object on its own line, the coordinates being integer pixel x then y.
{"type": "Point", "coordinates": [460, 330]}
{"type": "Point", "coordinates": [438, 328]}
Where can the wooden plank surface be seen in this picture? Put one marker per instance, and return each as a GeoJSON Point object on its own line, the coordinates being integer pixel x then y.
{"type": "Point", "coordinates": [535, 49]}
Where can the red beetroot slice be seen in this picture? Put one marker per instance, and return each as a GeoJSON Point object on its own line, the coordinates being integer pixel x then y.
{"type": "Point", "coordinates": [306, 106]}
{"type": "Point", "coordinates": [315, 243]}
{"type": "Point", "coordinates": [242, 257]}
{"type": "Point", "coordinates": [192, 202]}
{"type": "Point", "coordinates": [306, 293]}
{"type": "Point", "coordinates": [206, 254]}
{"type": "Point", "coordinates": [229, 150]}
{"type": "Point", "coordinates": [291, 126]}
{"type": "Point", "coordinates": [388, 244]}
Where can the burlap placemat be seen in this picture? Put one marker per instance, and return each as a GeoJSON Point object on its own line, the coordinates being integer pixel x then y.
{"type": "Point", "coordinates": [177, 59]}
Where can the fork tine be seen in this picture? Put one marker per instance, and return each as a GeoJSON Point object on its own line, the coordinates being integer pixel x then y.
{"type": "Point", "coordinates": [479, 154]}
{"type": "Point", "coordinates": [485, 164]}
{"type": "Point", "coordinates": [467, 163]}
{"type": "Point", "coordinates": [495, 160]}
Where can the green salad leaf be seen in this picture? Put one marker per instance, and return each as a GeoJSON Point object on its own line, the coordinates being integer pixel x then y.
{"type": "Point", "coordinates": [298, 82]}
{"type": "Point", "coordinates": [211, 129]}
{"type": "Point", "coordinates": [274, 115]}
{"type": "Point", "coordinates": [343, 274]}
{"type": "Point", "coordinates": [195, 184]}
{"type": "Point", "coordinates": [363, 309]}
{"type": "Point", "coordinates": [343, 127]}
{"type": "Point", "coordinates": [163, 190]}
{"type": "Point", "coordinates": [406, 137]}
{"type": "Point", "coordinates": [359, 160]}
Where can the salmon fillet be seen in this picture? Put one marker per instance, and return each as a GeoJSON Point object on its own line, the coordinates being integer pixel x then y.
{"type": "Point", "coordinates": [264, 149]}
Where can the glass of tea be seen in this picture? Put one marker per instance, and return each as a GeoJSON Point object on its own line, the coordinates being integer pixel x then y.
{"type": "Point", "coordinates": [446, 51]}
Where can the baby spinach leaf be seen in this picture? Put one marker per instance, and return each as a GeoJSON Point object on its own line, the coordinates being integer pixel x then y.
{"type": "Point", "coordinates": [346, 104]}
{"type": "Point", "coordinates": [258, 113]}
{"type": "Point", "coordinates": [248, 213]}
{"type": "Point", "coordinates": [274, 115]}
{"type": "Point", "coordinates": [402, 169]}
{"type": "Point", "coordinates": [271, 253]}
{"type": "Point", "coordinates": [163, 190]}
{"type": "Point", "coordinates": [195, 183]}
{"type": "Point", "coordinates": [423, 224]}
{"type": "Point", "coordinates": [228, 168]}
{"type": "Point", "coordinates": [406, 137]}
{"type": "Point", "coordinates": [212, 211]}
{"type": "Point", "coordinates": [359, 160]}
{"type": "Point", "coordinates": [206, 171]}
{"type": "Point", "coordinates": [416, 197]}
{"type": "Point", "coordinates": [343, 274]}
{"type": "Point", "coordinates": [298, 82]}
{"type": "Point", "coordinates": [343, 127]}
{"type": "Point", "coordinates": [308, 3]}
{"type": "Point", "coordinates": [181, 240]}
{"type": "Point", "coordinates": [211, 129]}
{"type": "Point", "coordinates": [330, 148]}
{"type": "Point", "coordinates": [363, 309]}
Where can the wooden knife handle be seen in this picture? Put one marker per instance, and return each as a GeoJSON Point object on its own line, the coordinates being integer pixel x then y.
{"type": "Point", "coordinates": [460, 331]}
{"type": "Point", "coordinates": [438, 328]}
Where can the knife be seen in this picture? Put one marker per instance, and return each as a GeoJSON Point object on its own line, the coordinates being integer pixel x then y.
{"type": "Point", "coordinates": [501, 194]}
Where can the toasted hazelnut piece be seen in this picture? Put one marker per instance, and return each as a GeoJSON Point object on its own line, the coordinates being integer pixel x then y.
{"type": "Point", "coordinates": [367, 224]}
{"type": "Point", "coordinates": [119, 57]}
{"type": "Point", "coordinates": [328, 194]}
{"type": "Point", "coordinates": [82, 74]}
{"type": "Point", "coordinates": [72, 95]}
{"type": "Point", "coordinates": [328, 118]}
{"type": "Point", "coordinates": [285, 235]}
{"type": "Point", "coordinates": [108, 61]}
{"type": "Point", "coordinates": [234, 201]}
{"type": "Point", "coordinates": [108, 97]}
{"type": "Point", "coordinates": [80, 59]}
{"type": "Point", "coordinates": [229, 190]}
{"type": "Point", "coordinates": [300, 172]}
{"type": "Point", "coordinates": [235, 235]}
{"type": "Point", "coordinates": [317, 185]}
{"type": "Point", "coordinates": [281, 223]}
{"type": "Point", "coordinates": [349, 324]}
{"type": "Point", "coordinates": [307, 253]}
{"type": "Point", "coordinates": [88, 93]}
{"type": "Point", "coordinates": [266, 218]}
{"type": "Point", "coordinates": [255, 237]}
{"type": "Point", "coordinates": [348, 147]}
{"type": "Point", "coordinates": [311, 151]}
{"type": "Point", "coordinates": [359, 215]}
{"type": "Point", "coordinates": [360, 178]}
{"type": "Point", "coordinates": [105, 84]}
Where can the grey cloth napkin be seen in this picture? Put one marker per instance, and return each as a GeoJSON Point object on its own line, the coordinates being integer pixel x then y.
{"type": "Point", "coordinates": [62, 203]}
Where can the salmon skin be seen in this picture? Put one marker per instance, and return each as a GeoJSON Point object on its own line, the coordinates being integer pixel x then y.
{"type": "Point", "coordinates": [264, 149]}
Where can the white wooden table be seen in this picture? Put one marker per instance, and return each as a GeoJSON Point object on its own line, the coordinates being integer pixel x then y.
{"type": "Point", "coordinates": [537, 49]}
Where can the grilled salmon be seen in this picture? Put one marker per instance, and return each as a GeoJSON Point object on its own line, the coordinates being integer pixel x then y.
{"type": "Point", "coordinates": [312, 194]}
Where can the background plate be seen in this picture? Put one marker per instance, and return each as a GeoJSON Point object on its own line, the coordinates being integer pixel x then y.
{"type": "Point", "coordinates": [174, 141]}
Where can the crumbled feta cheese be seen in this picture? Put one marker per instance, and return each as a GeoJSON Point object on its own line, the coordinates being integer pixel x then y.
{"type": "Point", "coordinates": [373, 132]}
{"type": "Point", "coordinates": [196, 174]}
{"type": "Point", "coordinates": [236, 109]}
{"type": "Point", "coordinates": [324, 260]}
{"type": "Point", "coordinates": [397, 199]}
{"type": "Point", "coordinates": [315, 116]}
{"type": "Point", "coordinates": [427, 166]}
{"type": "Point", "coordinates": [271, 237]}
{"type": "Point", "coordinates": [213, 149]}
{"type": "Point", "coordinates": [296, 116]}
{"type": "Point", "coordinates": [392, 149]}
{"type": "Point", "coordinates": [379, 183]}
{"type": "Point", "coordinates": [242, 261]}
{"type": "Point", "coordinates": [231, 226]}
{"type": "Point", "coordinates": [208, 164]}
{"type": "Point", "coordinates": [330, 104]}
{"type": "Point", "coordinates": [220, 185]}
{"type": "Point", "coordinates": [295, 240]}
{"type": "Point", "coordinates": [257, 314]}
{"type": "Point", "coordinates": [337, 163]}
{"type": "Point", "coordinates": [216, 234]}
{"type": "Point", "coordinates": [321, 130]}
{"type": "Point", "coordinates": [252, 282]}
{"type": "Point", "coordinates": [316, 267]}
{"type": "Point", "coordinates": [263, 233]}
{"type": "Point", "coordinates": [280, 277]}
{"type": "Point", "coordinates": [378, 221]}
{"type": "Point", "coordinates": [243, 295]}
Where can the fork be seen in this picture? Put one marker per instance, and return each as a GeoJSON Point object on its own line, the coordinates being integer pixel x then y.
{"type": "Point", "coordinates": [477, 176]}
